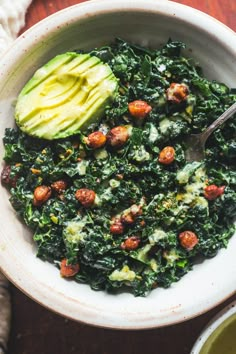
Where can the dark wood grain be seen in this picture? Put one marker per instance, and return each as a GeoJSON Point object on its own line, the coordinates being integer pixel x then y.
{"type": "Point", "coordinates": [223, 10]}
{"type": "Point", "coordinates": [36, 330]}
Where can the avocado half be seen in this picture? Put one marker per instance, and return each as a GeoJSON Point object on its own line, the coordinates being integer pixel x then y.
{"type": "Point", "coordinates": [65, 95]}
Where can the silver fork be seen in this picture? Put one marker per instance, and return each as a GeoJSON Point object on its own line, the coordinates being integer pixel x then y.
{"type": "Point", "coordinates": [195, 143]}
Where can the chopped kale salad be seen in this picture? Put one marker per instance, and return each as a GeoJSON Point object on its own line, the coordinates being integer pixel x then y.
{"type": "Point", "coordinates": [111, 200]}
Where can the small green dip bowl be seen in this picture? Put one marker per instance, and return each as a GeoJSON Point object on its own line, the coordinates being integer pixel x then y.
{"type": "Point", "coordinates": [219, 336]}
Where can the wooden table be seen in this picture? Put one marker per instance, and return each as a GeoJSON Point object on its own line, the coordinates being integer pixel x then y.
{"type": "Point", "coordinates": [36, 330]}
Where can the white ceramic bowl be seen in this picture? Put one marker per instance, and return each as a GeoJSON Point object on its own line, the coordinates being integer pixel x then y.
{"type": "Point", "coordinates": [87, 25]}
{"type": "Point", "coordinates": [216, 331]}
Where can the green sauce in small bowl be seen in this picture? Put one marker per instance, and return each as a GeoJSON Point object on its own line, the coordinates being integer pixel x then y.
{"type": "Point", "coordinates": [223, 339]}
{"type": "Point", "coordinates": [219, 336]}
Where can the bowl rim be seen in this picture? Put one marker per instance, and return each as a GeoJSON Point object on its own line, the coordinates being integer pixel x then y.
{"type": "Point", "coordinates": [71, 15]}
{"type": "Point", "coordinates": [138, 5]}
{"type": "Point", "coordinates": [212, 325]}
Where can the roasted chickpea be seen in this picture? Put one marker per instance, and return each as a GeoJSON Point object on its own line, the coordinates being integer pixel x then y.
{"type": "Point", "coordinates": [59, 186]}
{"type": "Point", "coordinates": [131, 243]}
{"type": "Point", "coordinates": [41, 195]}
{"type": "Point", "coordinates": [96, 140]}
{"type": "Point", "coordinates": [139, 109]}
{"type": "Point", "coordinates": [86, 197]}
{"type": "Point", "coordinates": [188, 240]}
{"type": "Point", "coordinates": [129, 215]}
{"type": "Point", "coordinates": [117, 136]}
{"type": "Point", "coordinates": [211, 192]}
{"type": "Point", "coordinates": [177, 93]}
{"type": "Point", "coordinates": [136, 210]}
{"type": "Point", "coordinates": [167, 155]}
{"type": "Point", "coordinates": [117, 228]}
{"type": "Point", "coordinates": [5, 177]}
{"type": "Point", "coordinates": [127, 218]}
{"type": "Point", "coordinates": [68, 270]}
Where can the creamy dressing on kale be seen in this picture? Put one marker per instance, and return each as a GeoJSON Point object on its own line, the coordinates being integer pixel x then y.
{"type": "Point", "coordinates": [170, 197]}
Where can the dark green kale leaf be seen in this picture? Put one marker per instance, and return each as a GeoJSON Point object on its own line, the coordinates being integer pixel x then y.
{"type": "Point", "coordinates": [132, 175]}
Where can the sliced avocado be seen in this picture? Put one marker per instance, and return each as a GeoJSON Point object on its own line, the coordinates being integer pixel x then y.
{"type": "Point", "coordinates": [65, 95]}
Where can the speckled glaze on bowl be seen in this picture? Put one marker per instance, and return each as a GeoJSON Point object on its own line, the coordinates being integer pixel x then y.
{"type": "Point", "coordinates": [88, 25]}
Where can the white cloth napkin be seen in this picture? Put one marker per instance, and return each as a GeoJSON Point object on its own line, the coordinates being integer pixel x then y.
{"type": "Point", "coordinates": [12, 19]}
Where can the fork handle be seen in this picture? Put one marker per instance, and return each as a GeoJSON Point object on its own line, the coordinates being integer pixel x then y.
{"type": "Point", "coordinates": [219, 121]}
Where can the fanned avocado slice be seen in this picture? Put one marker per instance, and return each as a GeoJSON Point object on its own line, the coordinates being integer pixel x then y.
{"type": "Point", "coordinates": [65, 95]}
